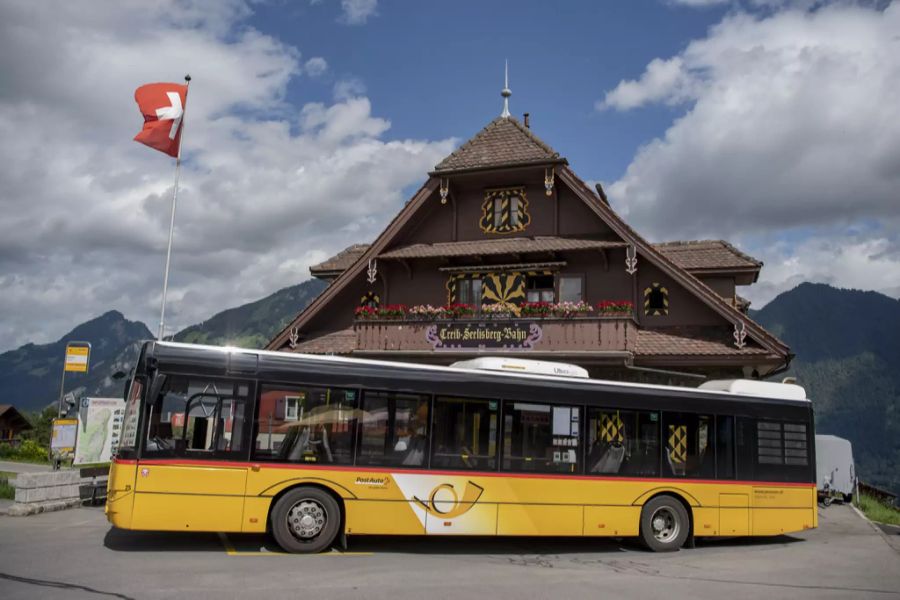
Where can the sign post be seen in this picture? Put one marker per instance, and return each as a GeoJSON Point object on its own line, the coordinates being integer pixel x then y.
{"type": "Point", "coordinates": [78, 356]}
{"type": "Point", "coordinates": [77, 360]}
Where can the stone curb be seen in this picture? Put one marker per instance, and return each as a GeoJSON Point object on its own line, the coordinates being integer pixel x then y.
{"type": "Point", "coordinates": [24, 509]}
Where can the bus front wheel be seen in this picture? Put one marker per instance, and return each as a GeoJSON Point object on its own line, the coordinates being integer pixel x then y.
{"type": "Point", "coordinates": [305, 519]}
{"type": "Point", "coordinates": [665, 524]}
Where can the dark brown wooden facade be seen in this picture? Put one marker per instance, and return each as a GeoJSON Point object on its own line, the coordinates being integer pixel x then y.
{"type": "Point", "coordinates": [504, 220]}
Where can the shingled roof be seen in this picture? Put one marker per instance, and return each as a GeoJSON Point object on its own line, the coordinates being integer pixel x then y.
{"type": "Point", "coordinates": [707, 255]}
{"type": "Point", "coordinates": [520, 245]}
{"type": "Point", "coordinates": [694, 256]}
{"type": "Point", "coordinates": [338, 263]}
{"type": "Point", "coordinates": [503, 142]}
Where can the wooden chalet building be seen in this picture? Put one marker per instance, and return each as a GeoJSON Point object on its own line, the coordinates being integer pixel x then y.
{"type": "Point", "coordinates": [506, 228]}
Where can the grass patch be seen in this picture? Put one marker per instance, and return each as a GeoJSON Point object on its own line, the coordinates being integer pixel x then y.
{"type": "Point", "coordinates": [877, 511]}
{"type": "Point", "coordinates": [7, 492]}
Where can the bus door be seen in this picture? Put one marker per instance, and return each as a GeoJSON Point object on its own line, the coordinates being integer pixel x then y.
{"type": "Point", "coordinates": [192, 473]}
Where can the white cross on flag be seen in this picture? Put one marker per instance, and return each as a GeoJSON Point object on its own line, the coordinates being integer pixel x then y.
{"type": "Point", "coordinates": [162, 105]}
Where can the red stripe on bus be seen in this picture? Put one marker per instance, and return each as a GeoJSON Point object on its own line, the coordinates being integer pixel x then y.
{"type": "Point", "coordinates": [363, 469]}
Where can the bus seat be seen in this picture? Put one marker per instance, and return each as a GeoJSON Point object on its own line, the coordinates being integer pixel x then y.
{"type": "Point", "coordinates": [611, 460]}
{"type": "Point", "coordinates": [300, 445]}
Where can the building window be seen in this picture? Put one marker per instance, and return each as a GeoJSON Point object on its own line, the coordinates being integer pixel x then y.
{"type": "Point", "coordinates": [468, 291]}
{"type": "Point", "coordinates": [539, 288]}
{"type": "Point", "coordinates": [505, 211]}
{"type": "Point", "coordinates": [571, 288]}
{"type": "Point", "coordinates": [656, 300]}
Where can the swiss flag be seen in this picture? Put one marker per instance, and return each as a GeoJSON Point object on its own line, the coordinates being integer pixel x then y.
{"type": "Point", "coordinates": [162, 105]}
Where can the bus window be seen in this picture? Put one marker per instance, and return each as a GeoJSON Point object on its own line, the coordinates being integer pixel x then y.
{"type": "Point", "coordinates": [305, 424]}
{"type": "Point", "coordinates": [689, 449]}
{"type": "Point", "coordinates": [393, 430]}
{"type": "Point", "coordinates": [773, 451]}
{"type": "Point", "coordinates": [541, 438]}
{"type": "Point", "coordinates": [623, 442]}
{"type": "Point", "coordinates": [724, 447]}
{"type": "Point", "coordinates": [465, 434]}
{"type": "Point", "coordinates": [197, 417]}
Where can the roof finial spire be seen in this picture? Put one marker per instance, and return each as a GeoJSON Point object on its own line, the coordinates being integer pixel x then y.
{"type": "Point", "coordinates": [505, 92]}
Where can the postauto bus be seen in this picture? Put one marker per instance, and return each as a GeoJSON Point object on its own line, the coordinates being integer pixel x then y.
{"type": "Point", "coordinates": [311, 448]}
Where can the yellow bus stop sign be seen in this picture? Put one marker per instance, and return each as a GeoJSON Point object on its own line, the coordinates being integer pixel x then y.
{"type": "Point", "coordinates": [77, 358]}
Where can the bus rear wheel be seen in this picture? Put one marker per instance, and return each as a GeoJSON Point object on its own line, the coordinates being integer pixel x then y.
{"type": "Point", "coordinates": [305, 520]}
{"type": "Point", "coordinates": [664, 524]}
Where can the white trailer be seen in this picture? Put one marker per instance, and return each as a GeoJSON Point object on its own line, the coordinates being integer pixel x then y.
{"type": "Point", "coordinates": [834, 466]}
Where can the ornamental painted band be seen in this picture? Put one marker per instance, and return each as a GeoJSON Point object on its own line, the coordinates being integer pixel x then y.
{"type": "Point", "coordinates": [316, 448]}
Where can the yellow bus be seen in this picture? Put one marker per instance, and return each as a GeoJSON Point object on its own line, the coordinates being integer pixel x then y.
{"type": "Point", "coordinates": [317, 448]}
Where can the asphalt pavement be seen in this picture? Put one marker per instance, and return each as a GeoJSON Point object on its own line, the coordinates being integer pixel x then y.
{"type": "Point", "coordinates": [75, 554]}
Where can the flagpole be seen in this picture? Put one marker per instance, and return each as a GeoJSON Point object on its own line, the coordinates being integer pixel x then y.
{"type": "Point", "coordinates": [162, 310]}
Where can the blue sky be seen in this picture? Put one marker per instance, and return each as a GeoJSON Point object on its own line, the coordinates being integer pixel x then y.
{"type": "Point", "coordinates": [772, 124]}
{"type": "Point", "coordinates": [436, 69]}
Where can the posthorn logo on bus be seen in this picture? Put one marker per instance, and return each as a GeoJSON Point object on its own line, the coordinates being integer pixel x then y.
{"type": "Point", "coordinates": [444, 502]}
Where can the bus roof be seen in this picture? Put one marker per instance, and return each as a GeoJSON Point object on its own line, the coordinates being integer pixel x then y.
{"type": "Point", "coordinates": [731, 389]}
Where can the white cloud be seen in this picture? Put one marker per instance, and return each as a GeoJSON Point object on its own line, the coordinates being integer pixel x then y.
{"type": "Point", "coordinates": [266, 188]}
{"type": "Point", "coordinates": [791, 126]}
{"type": "Point", "coordinates": [847, 261]}
{"type": "Point", "coordinates": [315, 66]}
{"type": "Point", "coordinates": [357, 12]}
{"type": "Point", "coordinates": [345, 89]}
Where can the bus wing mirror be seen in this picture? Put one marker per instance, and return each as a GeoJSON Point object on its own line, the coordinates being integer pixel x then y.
{"type": "Point", "coordinates": [155, 388]}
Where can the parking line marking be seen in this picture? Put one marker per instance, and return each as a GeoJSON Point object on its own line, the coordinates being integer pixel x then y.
{"type": "Point", "coordinates": [232, 551]}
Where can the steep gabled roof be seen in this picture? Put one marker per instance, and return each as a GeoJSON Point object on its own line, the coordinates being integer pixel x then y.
{"type": "Point", "coordinates": [488, 149]}
{"type": "Point", "coordinates": [504, 142]}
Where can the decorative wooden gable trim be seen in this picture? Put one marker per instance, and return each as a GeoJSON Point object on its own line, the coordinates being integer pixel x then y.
{"type": "Point", "coordinates": [376, 248]}
{"type": "Point", "coordinates": [656, 258]}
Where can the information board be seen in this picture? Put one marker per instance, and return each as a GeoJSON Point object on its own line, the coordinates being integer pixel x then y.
{"type": "Point", "coordinates": [63, 434]}
{"type": "Point", "coordinates": [99, 429]}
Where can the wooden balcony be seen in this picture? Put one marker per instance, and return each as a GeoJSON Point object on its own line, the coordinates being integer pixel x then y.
{"type": "Point", "coordinates": [601, 334]}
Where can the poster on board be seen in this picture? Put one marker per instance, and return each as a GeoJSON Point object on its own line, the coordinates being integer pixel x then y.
{"type": "Point", "coordinates": [99, 429]}
{"type": "Point", "coordinates": [62, 436]}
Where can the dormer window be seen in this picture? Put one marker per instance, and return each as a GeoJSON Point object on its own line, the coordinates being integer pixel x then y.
{"type": "Point", "coordinates": [505, 211]}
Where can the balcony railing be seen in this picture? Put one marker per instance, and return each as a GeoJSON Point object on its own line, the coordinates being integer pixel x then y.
{"type": "Point", "coordinates": [482, 334]}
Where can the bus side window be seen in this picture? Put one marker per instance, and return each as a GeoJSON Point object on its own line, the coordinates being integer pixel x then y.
{"type": "Point", "coordinates": [305, 424]}
{"type": "Point", "coordinates": [724, 447]}
{"type": "Point", "coordinates": [197, 417]}
{"type": "Point", "coordinates": [541, 438]}
{"type": "Point", "coordinates": [623, 442]}
{"type": "Point", "coordinates": [689, 445]}
{"type": "Point", "coordinates": [465, 433]}
{"type": "Point", "coordinates": [394, 429]}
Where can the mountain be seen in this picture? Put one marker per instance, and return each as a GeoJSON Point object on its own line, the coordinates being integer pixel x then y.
{"type": "Point", "coordinates": [30, 375]}
{"type": "Point", "coordinates": [253, 325]}
{"type": "Point", "coordinates": [847, 346]}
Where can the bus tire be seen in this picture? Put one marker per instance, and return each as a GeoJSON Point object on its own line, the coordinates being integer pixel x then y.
{"type": "Point", "coordinates": [305, 520]}
{"type": "Point", "coordinates": [665, 524]}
